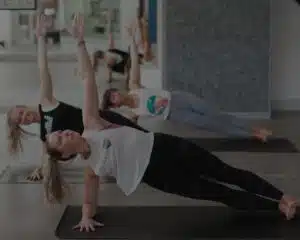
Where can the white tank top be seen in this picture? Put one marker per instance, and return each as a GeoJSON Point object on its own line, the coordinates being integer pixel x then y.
{"type": "Point", "coordinates": [123, 153]}
{"type": "Point", "coordinates": [152, 102]}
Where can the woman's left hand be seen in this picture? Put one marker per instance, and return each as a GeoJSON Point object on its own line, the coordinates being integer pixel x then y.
{"type": "Point", "coordinates": [77, 28]}
{"type": "Point", "coordinates": [41, 25]}
{"type": "Point", "coordinates": [131, 30]}
{"type": "Point", "coordinates": [87, 224]}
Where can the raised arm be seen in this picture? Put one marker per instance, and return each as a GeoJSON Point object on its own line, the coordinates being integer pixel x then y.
{"type": "Point", "coordinates": [46, 88]}
{"type": "Point", "coordinates": [135, 71]}
{"type": "Point", "coordinates": [111, 41]}
{"type": "Point", "coordinates": [90, 114]}
{"type": "Point", "coordinates": [111, 44]}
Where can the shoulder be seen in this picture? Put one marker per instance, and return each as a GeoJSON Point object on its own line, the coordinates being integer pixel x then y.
{"type": "Point", "coordinates": [87, 133]}
{"type": "Point", "coordinates": [91, 134]}
{"type": "Point", "coordinates": [48, 107]}
{"type": "Point", "coordinates": [48, 101]}
{"type": "Point", "coordinates": [67, 108]}
{"type": "Point", "coordinates": [63, 105]}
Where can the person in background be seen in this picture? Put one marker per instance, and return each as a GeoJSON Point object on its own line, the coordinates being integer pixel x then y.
{"type": "Point", "coordinates": [117, 60]}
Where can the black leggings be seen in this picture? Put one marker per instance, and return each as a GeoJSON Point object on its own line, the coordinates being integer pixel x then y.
{"type": "Point", "coordinates": [180, 167]}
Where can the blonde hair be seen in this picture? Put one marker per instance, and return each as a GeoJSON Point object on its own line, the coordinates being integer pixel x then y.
{"type": "Point", "coordinates": [15, 133]}
{"type": "Point", "coordinates": [54, 185]}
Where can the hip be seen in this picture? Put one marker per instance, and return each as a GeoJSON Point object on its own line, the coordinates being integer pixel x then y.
{"type": "Point", "coordinates": [167, 147]}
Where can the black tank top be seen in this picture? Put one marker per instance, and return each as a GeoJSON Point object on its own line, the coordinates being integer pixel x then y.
{"type": "Point", "coordinates": [68, 117]}
{"type": "Point", "coordinates": [120, 66]}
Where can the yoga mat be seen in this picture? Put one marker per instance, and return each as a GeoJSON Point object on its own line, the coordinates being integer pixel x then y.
{"type": "Point", "coordinates": [179, 223]}
{"type": "Point", "coordinates": [273, 145]}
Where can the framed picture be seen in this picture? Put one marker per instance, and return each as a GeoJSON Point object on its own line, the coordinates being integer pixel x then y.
{"type": "Point", "coordinates": [18, 4]}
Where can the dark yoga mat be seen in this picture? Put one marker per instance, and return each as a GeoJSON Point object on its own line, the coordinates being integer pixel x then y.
{"type": "Point", "coordinates": [273, 145]}
{"type": "Point", "coordinates": [142, 223]}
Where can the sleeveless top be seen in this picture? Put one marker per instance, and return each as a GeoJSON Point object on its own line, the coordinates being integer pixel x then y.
{"type": "Point", "coordinates": [123, 153]}
{"type": "Point", "coordinates": [152, 102]}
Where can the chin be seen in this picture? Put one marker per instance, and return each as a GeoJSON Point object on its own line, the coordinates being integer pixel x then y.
{"type": "Point", "coordinates": [119, 104]}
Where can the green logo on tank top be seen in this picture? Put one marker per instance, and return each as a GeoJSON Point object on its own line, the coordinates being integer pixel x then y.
{"type": "Point", "coordinates": [106, 143]}
{"type": "Point", "coordinates": [156, 105]}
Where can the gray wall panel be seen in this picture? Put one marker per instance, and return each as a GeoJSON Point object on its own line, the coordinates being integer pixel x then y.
{"type": "Point", "coordinates": [219, 50]}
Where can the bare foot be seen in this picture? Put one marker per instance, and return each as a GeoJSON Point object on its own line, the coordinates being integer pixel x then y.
{"type": "Point", "coordinates": [288, 206]}
{"type": "Point", "coordinates": [262, 134]}
{"type": "Point", "coordinates": [36, 175]}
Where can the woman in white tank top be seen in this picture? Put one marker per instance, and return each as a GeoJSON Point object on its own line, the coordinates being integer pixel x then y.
{"type": "Point", "coordinates": [176, 106]}
{"type": "Point", "coordinates": [132, 156]}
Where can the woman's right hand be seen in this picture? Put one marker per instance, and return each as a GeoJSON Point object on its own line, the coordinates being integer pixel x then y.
{"type": "Point", "coordinates": [131, 30]}
{"type": "Point", "coordinates": [77, 28]}
{"type": "Point", "coordinates": [87, 225]}
{"type": "Point", "coordinates": [41, 26]}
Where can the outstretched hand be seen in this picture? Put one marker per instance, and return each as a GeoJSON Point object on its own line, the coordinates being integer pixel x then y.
{"type": "Point", "coordinates": [88, 225]}
{"type": "Point", "coordinates": [41, 25]}
{"type": "Point", "coordinates": [77, 28]}
{"type": "Point", "coordinates": [131, 30]}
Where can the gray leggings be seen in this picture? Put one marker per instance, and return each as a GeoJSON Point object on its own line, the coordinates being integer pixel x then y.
{"type": "Point", "coordinates": [190, 109]}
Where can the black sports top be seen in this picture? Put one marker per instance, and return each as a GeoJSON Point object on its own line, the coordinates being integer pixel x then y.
{"type": "Point", "coordinates": [119, 67]}
{"type": "Point", "coordinates": [68, 117]}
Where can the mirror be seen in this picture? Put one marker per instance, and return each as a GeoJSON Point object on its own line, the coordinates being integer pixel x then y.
{"type": "Point", "coordinates": [96, 22]}
{"type": "Point", "coordinates": [95, 12]}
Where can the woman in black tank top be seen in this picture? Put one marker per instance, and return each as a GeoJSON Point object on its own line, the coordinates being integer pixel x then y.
{"type": "Point", "coordinates": [117, 60]}
{"type": "Point", "coordinates": [51, 114]}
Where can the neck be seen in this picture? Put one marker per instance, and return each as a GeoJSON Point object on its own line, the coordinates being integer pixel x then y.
{"type": "Point", "coordinates": [84, 149]}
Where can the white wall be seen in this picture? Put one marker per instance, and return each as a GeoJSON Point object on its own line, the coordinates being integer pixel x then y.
{"type": "Point", "coordinates": [5, 30]}
{"type": "Point", "coordinates": [285, 54]}
{"type": "Point", "coordinates": [128, 12]}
